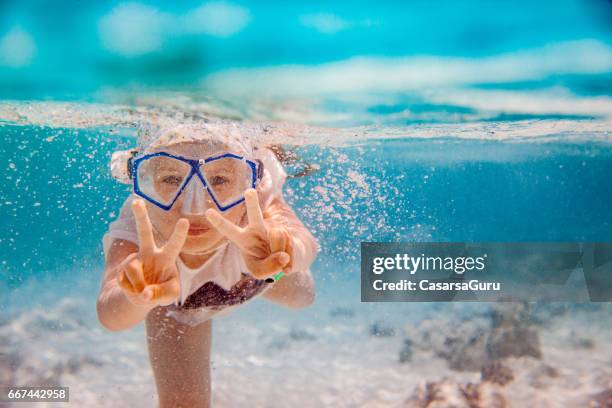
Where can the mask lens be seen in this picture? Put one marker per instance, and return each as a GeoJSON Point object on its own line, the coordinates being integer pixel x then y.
{"type": "Point", "coordinates": [160, 178]}
{"type": "Point", "coordinates": [227, 179]}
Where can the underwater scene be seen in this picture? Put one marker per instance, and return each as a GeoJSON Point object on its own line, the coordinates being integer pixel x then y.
{"type": "Point", "coordinates": [398, 122]}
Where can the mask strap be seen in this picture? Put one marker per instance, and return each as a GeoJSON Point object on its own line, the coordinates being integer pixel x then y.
{"type": "Point", "coordinates": [130, 163]}
{"type": "Point", "coordinates": [121, 165]}
{"type": "Point", "coordinates": [260, 169]}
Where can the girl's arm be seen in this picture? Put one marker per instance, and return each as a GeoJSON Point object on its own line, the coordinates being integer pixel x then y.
{"type": "Point", "coordinates": [296, 289]}
{"type": "Point", "coordinates": [115, 311]}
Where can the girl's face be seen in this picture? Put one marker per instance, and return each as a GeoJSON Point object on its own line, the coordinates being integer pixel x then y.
{"type": "Point", "coordinates": [201, 236]}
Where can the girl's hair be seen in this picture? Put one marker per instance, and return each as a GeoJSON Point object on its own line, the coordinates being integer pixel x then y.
{"type": "Point", "coordinates": [149, 134]}
{"type": "Point", "coordinates": [289, 157]}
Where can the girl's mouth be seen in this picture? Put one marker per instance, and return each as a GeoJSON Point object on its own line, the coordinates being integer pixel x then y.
{"type": "Point", "coordinates": [197, 230]}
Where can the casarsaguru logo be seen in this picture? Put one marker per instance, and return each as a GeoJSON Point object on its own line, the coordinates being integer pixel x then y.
{"type": "Point", "coordinates": [473, 285]}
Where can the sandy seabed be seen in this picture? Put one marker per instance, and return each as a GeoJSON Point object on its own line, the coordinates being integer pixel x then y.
{"type": "Point", "coordinates": [337, 353]}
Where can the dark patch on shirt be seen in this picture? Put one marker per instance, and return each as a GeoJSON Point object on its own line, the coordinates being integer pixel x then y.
{"type": "Point", "coordinates": [212, 295]}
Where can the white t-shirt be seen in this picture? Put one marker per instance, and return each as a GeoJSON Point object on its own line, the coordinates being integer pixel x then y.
{"type": "Point", "coordinates": [226, 266]}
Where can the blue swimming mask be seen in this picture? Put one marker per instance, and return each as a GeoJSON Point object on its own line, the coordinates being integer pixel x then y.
{"type": "Point", "coordinates": [161, 178]}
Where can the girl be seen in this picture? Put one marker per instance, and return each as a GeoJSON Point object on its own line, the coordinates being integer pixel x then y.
{"type": "Point", "coordinates": [207, 229]}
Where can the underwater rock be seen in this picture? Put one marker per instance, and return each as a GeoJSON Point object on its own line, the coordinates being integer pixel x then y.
{"type": "Point", "coordinates": [405, 354]}
{"type": "Point", "coordinates": [580, 342]}
{"type": "Point", "coordinates": [283, 341]}
{"type": "Point", "coordinates": [484, 395]}
{"type": "Point", "coordinates": [477, 341]}
{"type": "Point", "coordinates": [301, 334]}
{"type": "Point", "coordinates": [447, 393]}
{"type": "Point", "coordinates": [496, 373]}
{"type": "Point", "coordinates": [600, 400]}
{"type": "Point", "coordinates": [380, 329]}
{"type": "Point", "coordinates": [460, 343]}
{"type": "Point", "coordinates": [75, 364]}
{"type": "Point", "coordinates": [541, 375]}
{"type": "Point", "coordinates": [342, 312]}
{"type": "Point", "coordinates": [279, 344]}
{"type": "Point", "coordinates": [439, 394]}
{"type": "Point", "coordinates": [513, 341]}
{"type": "Point", "coordinates": [513, 335]}
{"type": "Point", "coordinates": [466, 354]}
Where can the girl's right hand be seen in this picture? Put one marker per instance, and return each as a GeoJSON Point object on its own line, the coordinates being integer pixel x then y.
{"type": "Point", "coordinates": [149, 277]}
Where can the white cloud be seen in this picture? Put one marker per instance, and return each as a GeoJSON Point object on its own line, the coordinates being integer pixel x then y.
{"type": "Point", "coordinates": [17, 48]}
{"type": "Point", "coordinates": [217, 18]}
{"type": "Point", "coordinates": [326, 23]}
{"type": "Point", "coordinates": [133, 29]}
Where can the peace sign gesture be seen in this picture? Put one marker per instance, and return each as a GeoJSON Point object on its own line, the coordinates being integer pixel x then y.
{"type": "Point", "coordinates": [266, 249]}
{"type": "Point", "coordinates": [150, 276]}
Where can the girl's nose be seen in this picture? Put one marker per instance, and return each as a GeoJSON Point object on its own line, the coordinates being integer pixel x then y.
{"type": "Point", "coordinates": [195, 200]}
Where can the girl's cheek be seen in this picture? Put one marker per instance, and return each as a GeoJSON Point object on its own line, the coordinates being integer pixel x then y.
{"type": "Point", "coordinates": [163, 221]}
{"type": "Point", "coordinates": [237, 216]}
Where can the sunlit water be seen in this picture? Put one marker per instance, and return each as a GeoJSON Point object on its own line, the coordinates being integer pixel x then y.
{"type": "Point", "coordinates": [521, 180]}
{"type": "Point", "coordinates": [426, 121]}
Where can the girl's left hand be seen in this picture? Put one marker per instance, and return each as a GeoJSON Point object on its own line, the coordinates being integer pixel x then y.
{"type": "Point", "coordinates": [266, 245]}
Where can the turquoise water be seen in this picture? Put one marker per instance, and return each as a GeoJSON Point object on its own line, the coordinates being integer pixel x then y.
{"type": "Point", "coordinates": [58, 196]}
{"type": "Point", "coordinates": [121, 44]}
{"type": "Point", "coordinates": [427, 121]}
